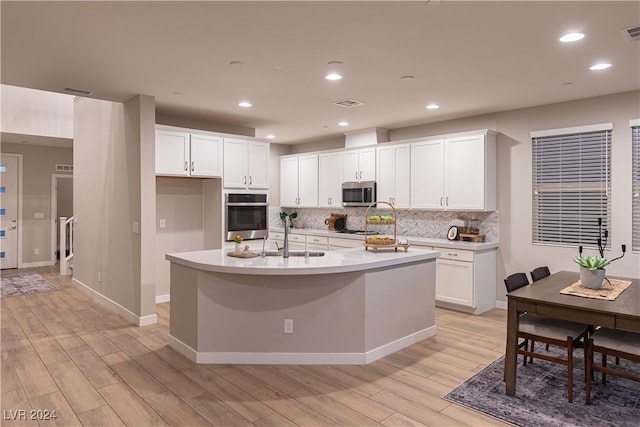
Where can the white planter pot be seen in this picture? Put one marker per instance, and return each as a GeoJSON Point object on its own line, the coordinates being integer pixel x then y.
{"type": "Point", "coordinates": [591, 279]}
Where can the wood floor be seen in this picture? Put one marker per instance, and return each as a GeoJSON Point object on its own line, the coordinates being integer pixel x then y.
{"type": "Point", "coordinates": [62, 351]}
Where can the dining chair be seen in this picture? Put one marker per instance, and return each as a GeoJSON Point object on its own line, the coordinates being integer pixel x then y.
{"type": "Point", "coordinates": [539, 273]}
{"type": "Point", "coordinates": [533, 327]}
{"type": "Point", "coordinates": [614, 342]}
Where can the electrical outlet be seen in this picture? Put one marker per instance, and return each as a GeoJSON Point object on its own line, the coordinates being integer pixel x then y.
{"type": "Point", "coordinates": [288, 326]}
{"type": "Point", "coordinates": [163, 223]}
{"type": "Point", "coordinates": [99, 277]}
{"type": "Point", "coordinates": [36, 251]}
{"type": "Point", "coordinates": [135, 227]}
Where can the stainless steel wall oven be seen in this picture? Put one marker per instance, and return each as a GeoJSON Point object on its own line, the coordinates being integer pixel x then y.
{"type": "Point", "coordinates": [246, 215]}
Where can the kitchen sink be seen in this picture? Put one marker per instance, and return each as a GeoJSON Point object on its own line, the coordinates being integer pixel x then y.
{"type": "Point", "coordinates": [294, 253]}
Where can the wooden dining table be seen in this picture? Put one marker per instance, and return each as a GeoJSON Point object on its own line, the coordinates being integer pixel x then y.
{"type": "Point", "coordinates": [543, 297]}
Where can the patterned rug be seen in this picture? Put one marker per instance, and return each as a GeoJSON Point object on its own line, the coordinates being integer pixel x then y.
{"type": "Point", "coordinates": [541, 395]}
{"type": "Point", "coordinates": [24, 283]}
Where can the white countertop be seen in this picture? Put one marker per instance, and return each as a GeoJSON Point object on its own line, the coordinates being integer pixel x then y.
{"type": "Point", "coordinates": [413, 240]}
{"type": "Point", "coordinates": [335, 261]}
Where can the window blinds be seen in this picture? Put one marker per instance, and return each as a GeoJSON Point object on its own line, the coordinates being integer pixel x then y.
{"type": "Point", "coordinates": [571, 187]}
{"type": "Point", "coordinates": [635, 143]}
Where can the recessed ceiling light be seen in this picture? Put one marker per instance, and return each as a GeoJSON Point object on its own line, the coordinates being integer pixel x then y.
{"type": "Point", "coordinates": [343, 123]}
{"type": "Point", "coordinates": [177, 93]}
{"type": "Point", "coordinates": [433, 107]}
{"type": "Point", "coordinates": [567, 83]}
{"type": "Point", "coordinates": [236, 63]}
{"type": "Point", "coordinates": [270, 136]}
{"type": "Point", "coordinates": [244, 104]}
{"type": "Point", "coordinates": [600, 66]}
{"type": "Point", "coordinates": [407, 78]}
{"type": "Point", "coordinates": [571, 37]}
{"type": "Point", "coordinates": [333, 71]}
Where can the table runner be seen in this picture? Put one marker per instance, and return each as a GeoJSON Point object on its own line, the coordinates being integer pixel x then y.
{"type": "Point", "coordinates": [608, 291]}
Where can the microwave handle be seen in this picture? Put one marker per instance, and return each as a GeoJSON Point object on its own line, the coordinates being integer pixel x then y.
{"type": "Point", "coordinates": [246, 204]}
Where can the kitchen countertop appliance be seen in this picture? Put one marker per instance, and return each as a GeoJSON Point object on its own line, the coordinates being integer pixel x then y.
{"type": "Point", "coordinates": [336, 222]}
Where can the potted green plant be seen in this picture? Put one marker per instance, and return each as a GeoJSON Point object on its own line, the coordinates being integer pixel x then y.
{"type": "Point", "coordinates": [592, 270]}
{"type": "Point", "coordinates": [292, 216]}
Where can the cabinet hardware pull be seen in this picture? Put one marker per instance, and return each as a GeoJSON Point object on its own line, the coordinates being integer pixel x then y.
{"type": "Point", "coordinates": [186, 167]}
{"type": "Point", "coordinates": [193, 166]}
{"type": "Point", "coordinates": [447, 201]}
{"type": "Point", "coordinates": [250, 180]}
{"type": "Point", "coordinates": [245, 180]}
{"type": "Point", "coordinates": [360, 174]}
{"type": "Point", "coordinates": [356, 174]}
{"type": "Point", "coordinates": [440, 201]}
{"type": "Point", "coordinates": [450, 254]}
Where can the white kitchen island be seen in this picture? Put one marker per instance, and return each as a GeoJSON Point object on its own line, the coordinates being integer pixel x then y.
{"type": "Point", "coordinates": [349, 306]}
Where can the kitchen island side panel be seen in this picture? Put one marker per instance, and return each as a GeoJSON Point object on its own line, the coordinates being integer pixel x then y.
{"type": "Point", "coordinates": [400, 303]}
{"type": "Point", "coordinates": [183, 321]}
{"type": "Point", "coordinates": [245, 313]}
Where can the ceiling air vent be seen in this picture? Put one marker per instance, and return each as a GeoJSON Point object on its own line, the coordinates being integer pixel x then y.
{"type": "Point", "coordinates": [348, 103]}
{"type": "Point", "coordinates": [78, 91]}
{"type": "Point", "coordinates": [632, 34]}
{"type": "Point", "coordinates": [64, 168]}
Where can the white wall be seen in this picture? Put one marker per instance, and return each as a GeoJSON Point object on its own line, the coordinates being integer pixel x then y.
{"type": "Point", "coordinates": [35, 112]}
{"type": "Point", "coordinates": [114, 195]}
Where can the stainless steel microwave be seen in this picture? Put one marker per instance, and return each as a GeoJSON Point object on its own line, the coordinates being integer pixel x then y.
{"type": "Point", "coordinates": [358, 193]}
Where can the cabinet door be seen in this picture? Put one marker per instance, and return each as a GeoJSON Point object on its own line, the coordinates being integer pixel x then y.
{"type": "Point", "coordinates": [235, 163]}
{"type": "Point", "coordinates": [350, 168]}
{"type": "Point", "coordinates": [367, 164]}
{"type": "Point", "coordinates": [454, 282]}
{"type": "Point", "coordinates": [402, 176]}
{"type": "Point", "coordinates": [258, 176]}
{"type": "Point", "coordinates": [427, 174]}
{"type": "Point", "coordinates": [206, 156]}
{"type": "Point", "coordinates": [308, 181]}
{"type": "Point", "coordinates": [385, 181]}
{"type": "Point", "coordinates": [465, 173]}
{"type": "Point", "coordinates": [330, 180]}
{"type": "Point", "coordinates": [289, 181]}
{"type": "Point", "coordinates": [172, 153]}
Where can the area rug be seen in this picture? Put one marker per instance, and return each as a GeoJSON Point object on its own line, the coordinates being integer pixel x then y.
{"type": "Point", "coordinates": [23, 284]}
{"type": "Point", "coordinates": [541, 395]}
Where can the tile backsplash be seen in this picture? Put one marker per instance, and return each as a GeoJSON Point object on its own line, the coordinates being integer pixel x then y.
{"type": "Point", "coordinates": [419, 223]}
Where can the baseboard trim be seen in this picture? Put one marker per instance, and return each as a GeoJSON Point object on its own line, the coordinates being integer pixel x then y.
{"type": "Point", "coordinates": [268, 358]}
{"type": "Point", "coordinates": [109, 303]}
{"type": "Point", "coordinates": [36, 264]}
{"type": "Point", "coordinates": [502, 305]}
{"type": "Point", "coordinates": [162, 298]}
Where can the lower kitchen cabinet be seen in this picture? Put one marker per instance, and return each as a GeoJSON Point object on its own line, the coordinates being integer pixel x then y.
{"type": "Point", "coordinates": [466, 280]}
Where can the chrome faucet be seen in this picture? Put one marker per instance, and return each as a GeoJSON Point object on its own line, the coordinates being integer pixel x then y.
{"type": "Point", "coordinates": [287, 223]}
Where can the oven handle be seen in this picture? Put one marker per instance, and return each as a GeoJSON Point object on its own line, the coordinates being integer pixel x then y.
{"type": "Point", "coordinates": [246, 204]}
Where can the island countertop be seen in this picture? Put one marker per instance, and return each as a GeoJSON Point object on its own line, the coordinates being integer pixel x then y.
{"type": "Point", "coordinates": [335, 261]}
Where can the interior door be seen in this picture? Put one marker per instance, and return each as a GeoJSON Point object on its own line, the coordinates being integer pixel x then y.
{"type": "Point", "coordinates": [8, 212]}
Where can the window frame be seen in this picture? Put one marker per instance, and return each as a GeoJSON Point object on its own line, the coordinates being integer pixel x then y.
{"type": "Point", "coordinates": [565, 198]}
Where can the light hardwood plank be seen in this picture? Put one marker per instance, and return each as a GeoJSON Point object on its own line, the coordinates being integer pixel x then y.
{"type": "Point", "coordinates": [399, 420]}
{"type": "Point", "coordinates": [55, 402]}
{"type": "Point", "coordinates": [93, 367]}
{"type": "Point", "coordinates": [415, 411]}
{"type": "Point", "coordinates": [129, 407]}
{"type": "Point", "coordinates": [175, 412]}
{"type": "Point", "coordinates": [33, 375]}
{"type": "Point", "coordinates": [169, 377]}
{"type": "Point", "coordinates": [216, 412]}
{"type": "Point", "coordinates": [101, 417]}
{"type": "Point", "coordinates": [16, 408]}
{"type": "Point", "coordinates": [75, 387]}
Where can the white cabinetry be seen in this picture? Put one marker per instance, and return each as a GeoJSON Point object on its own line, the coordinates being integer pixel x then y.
{"type": "Point", "coordinates": [245, 164]}
{"type": "Point", "coordinates": [454, 173]}
{"type": "Point", "coordinates": [299, 181]}
{"type": "Point", "coordinates": [330, 179]}
{"type": "Point", "coordinates": [188, 154]}
{"type": "Point", "coordinates": [466, 279]}
{"type": "Point", "coordinates": [393, 178]}
{"type": "Point", "coordinates": [359, 165]}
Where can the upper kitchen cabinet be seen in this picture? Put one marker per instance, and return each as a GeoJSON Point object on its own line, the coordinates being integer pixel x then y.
{"type": "Point", "coordinates": [330, 179]}
{"type": "Point", "coordinates": [455, 173]}
{"type": "Point", "coordinates": [299, 181]}
{"type": "Point", "coordinates": [393, 176]}
{"type": "Point", "coordinates": [188, 154]}
{"type": "Point", "coordinates": [359, 165]}
{"type": "Point", "coordinates": [245, 164]}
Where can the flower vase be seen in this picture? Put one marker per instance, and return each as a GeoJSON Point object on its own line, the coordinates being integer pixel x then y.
{"type": "Point", "coordinates": [592, 279]}
{"type": "Point", "coordinates": [238, 248]}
